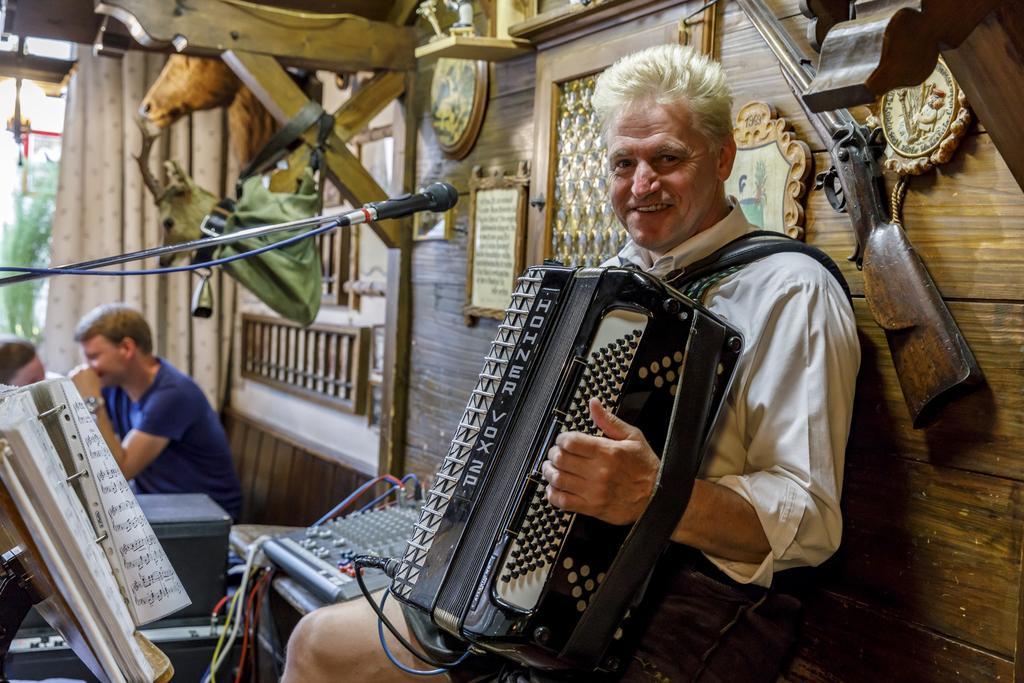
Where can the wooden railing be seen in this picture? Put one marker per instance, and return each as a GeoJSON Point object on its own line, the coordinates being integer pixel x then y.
{"type": "Point", "coordinates": [322, 363]}
{"type": "Point", "coordinates": [285, 480]}
{"type": "Point", "coordinates": [334, 257]}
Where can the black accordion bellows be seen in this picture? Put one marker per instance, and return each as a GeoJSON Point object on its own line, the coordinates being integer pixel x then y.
{"type": "Point", "coordinates": [490, 560]}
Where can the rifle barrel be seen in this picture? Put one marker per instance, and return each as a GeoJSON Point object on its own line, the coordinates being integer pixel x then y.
{"type": "Point", "coordinates": [798, 71]}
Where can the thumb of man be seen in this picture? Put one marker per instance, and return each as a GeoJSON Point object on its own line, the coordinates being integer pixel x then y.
{"type": "Point", "coordinates": [609, 424]}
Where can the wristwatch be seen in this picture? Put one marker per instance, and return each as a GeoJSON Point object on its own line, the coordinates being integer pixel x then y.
{"type": "Point", "coordinates": [94, 403]}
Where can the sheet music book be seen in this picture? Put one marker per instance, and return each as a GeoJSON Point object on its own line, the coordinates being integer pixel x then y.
{"type": "Point", "coordinates": [86, 523]}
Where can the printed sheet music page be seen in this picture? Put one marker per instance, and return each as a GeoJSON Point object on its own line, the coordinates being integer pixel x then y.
{"type": "Point", "coordinates": [150, 586]}
{"type": "Point", "coordinates": [37, 482]}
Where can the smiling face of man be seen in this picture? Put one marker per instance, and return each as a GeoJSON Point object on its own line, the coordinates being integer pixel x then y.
{"type": "Point", "coordinates": [666, 176]}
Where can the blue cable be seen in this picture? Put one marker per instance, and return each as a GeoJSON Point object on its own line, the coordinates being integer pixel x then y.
{"type": "Point", "coordinates": [387, 493]}
{"type": "Point", "coordinates": [172, 269]}
{"type": "Point", "coordinates": [379, 498]}
{"type": "Point", "coordinates": [403, 667]}
{"type": "Point", "coordinates": [348, 499]}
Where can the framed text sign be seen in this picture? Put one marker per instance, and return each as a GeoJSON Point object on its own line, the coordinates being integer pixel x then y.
{"type": "Point", "coordinates": [497, 234]}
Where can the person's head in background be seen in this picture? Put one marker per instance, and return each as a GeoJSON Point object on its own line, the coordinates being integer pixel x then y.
{"type": "Point", "coordinates": [19, 362]}
{"type": "Point", "coordinates": [116, 342]}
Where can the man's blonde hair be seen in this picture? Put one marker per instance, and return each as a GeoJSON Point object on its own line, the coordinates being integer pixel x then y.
{"type": "Point", "coordinates": [668, 75]}
{"type": "Point", "coordinates": [115, 322]}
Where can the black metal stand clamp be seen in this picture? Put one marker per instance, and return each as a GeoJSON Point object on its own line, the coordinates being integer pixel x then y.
{"type": "Point", "coordinates": [17, 595]}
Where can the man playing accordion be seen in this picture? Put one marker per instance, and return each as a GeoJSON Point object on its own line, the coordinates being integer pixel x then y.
{"type": "Point", "coordinates": [767, 498]}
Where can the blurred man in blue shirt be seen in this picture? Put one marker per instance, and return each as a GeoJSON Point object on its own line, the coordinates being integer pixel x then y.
{"type": "Point", "coordinates": [156, 420]}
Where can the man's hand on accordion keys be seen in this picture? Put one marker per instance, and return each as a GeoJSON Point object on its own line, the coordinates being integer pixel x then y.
{"type": "Point", "coordinates": [609, 477]}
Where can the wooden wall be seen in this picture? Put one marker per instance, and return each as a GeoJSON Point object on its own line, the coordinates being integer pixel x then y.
{"type": "Point", "coordinates": [284, 481]}
{"type": "Point", "coordinates": [927, 584]}
{"type": "Point", "coordinates": [446, 354]}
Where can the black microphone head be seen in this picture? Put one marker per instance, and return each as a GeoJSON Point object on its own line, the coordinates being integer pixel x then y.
{"type": "Point", "coordinates": [442, 196]}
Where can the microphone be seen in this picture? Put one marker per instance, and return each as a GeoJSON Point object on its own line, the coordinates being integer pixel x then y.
{"type": "Point", "coordinates": [435, 197]}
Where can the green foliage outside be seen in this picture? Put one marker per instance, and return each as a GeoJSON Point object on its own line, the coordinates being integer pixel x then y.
{"type": "Point", "coordinates": [26, 242]}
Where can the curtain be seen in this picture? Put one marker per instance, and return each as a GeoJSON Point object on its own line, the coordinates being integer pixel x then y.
{"type": "Point", "coordinates": [104, 209]}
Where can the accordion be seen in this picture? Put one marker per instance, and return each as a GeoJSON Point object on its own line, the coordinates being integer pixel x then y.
{"type": "Point", "coordinates": [490, 560]}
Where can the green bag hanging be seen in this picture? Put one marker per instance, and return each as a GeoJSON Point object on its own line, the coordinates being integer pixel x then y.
{"type": "Point", "coordinates": [287, 279]}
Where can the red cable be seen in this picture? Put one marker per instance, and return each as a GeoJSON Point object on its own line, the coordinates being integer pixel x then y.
{"type": "Point", "coordinates": [218, 606]}
{"type": "Point", "coordinates": [261, 592]}
{"type": "Point", "coordinates": [245, 631]}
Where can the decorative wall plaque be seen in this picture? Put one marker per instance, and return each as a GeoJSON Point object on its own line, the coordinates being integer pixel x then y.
{"type": "Point", "coordinates": [923, 124]}
{"type": "Point", "coordinates": [497, 240]}
{"type": "Point", "coordinates": [458, 97]}
{"type": "Point", "coordinates": [771, 166]}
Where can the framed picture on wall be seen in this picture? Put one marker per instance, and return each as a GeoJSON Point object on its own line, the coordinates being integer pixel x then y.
{"type": "Point", "coordinates": [497, 240]}
{"type": "Point", "coordinates": [428, 225]}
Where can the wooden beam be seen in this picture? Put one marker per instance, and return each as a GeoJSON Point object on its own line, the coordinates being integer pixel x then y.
{"type": "Point", "coordinates": [370, 100]}
{"type": "Point", "coordinates": [989, 66]}
{"type": "Point", "coordinates": [398, 316]}
{"type": "Point", "coordinates": [350, 120]}
{"type": "Point", "coordinates": [33, 67]}
{"type": "Point", "coordinates": [401, 12]}
{"type": "Point", "coordinates": [336, 42]}
{"type": "Point", "coordinates": [283, 99]}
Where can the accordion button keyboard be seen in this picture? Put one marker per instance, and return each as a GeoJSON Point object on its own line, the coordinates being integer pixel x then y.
{"type": "Point", "coordinates": [535, 549]}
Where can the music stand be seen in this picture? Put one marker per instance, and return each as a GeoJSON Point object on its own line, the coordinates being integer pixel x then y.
{"type": "Point", "coordinates": [26, 582]}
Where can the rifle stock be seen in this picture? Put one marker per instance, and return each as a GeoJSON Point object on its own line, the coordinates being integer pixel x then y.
{"type": "Point", "coordinates": [932, 359]}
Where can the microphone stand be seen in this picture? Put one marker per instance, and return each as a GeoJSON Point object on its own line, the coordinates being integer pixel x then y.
{"type": "Point", "coordinates": [361, 215]}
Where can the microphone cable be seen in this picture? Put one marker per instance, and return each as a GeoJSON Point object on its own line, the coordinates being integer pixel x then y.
{"type": "Point", "coordinates": [326, 227]}
{"type": "Point", "coordinates": [390, 566]}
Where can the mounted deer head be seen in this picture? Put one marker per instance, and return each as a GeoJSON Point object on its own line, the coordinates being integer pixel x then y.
{"type": "Point", "coordinates": [182, 204]}
{"type": "Point", "coordinates": [187, 84]}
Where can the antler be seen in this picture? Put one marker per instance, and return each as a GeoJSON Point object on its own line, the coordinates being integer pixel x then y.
{"type": "Point", "coordinates": [155, 188]}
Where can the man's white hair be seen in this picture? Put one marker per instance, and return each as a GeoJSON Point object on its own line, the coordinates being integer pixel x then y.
{"type": "Point", "coordinates": [667, 75]}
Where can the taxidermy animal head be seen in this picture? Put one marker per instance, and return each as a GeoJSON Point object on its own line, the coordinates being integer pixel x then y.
{"type": "Point", "coordinates": [181, 203]}
{"type": "Point", "coordinates": [189, 84]}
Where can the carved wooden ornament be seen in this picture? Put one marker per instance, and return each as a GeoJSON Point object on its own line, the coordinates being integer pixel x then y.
{"type": "Point", "coordinates": [771, 166]}
{"type": "Point", "coordinates": [923, 124]}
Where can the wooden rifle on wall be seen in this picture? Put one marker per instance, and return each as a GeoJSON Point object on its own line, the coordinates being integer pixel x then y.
{"type": "Point", "coordinates": [932, 359]}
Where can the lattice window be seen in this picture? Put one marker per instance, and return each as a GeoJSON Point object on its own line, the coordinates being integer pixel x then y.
{"type": "Point", "coordinates": [584, 231]}
{"type": "Point", "coordinates": [322, 363]}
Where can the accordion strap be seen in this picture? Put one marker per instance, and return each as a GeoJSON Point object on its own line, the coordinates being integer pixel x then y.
{"type": "Point", "coordinates": [700, 276]}
{"type": "Point", "coordinates": [647, 540]}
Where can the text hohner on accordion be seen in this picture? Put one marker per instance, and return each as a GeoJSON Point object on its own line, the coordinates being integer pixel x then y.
{"type": "Point", "coordinates": [490, 560]}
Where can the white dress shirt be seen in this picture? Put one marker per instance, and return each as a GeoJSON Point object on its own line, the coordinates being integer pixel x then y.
{"type": "Point", "coordinates": [781, 437]}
